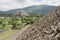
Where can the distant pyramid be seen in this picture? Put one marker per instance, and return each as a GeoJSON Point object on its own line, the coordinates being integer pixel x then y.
{"type": "Point", "coordinates": [21, 14]}
{"type": "Point", "coordinates": [46, 28]}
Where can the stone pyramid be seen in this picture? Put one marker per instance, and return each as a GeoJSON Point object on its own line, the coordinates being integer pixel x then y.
{"type": "Point", "coordinates": [21, 14]}
{"type": "Point", "coordinates": [46, 28]}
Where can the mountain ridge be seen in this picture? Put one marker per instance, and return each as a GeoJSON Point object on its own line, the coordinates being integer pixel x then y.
{"type": "Point", "coordinates": [37, 10]}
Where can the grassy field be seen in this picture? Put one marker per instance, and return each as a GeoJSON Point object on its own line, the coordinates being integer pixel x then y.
{"type": "Point", "coordinates": [7, 34]}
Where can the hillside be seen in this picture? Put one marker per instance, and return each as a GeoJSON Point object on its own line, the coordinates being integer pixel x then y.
{"type": "Point", "coordinates": [32, 10]}
{"type": "Point", "coordinates": [46, 28]}
{"type": "Point", "coordinates": [39, 9]}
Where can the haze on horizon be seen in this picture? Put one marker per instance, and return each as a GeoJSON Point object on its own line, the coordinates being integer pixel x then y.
{"type": "Point", "coordinates": [14, 4]}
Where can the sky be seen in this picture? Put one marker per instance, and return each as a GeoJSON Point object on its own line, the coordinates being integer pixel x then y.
{"type": "Point", "coordinates": [14, 4]}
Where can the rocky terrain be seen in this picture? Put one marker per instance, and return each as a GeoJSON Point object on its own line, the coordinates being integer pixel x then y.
{"type": "Point", "coordinates": [46, 28]}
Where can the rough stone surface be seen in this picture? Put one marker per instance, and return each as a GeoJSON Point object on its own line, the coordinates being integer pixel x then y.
{"type": "Point", "coordinates": [46, 28]}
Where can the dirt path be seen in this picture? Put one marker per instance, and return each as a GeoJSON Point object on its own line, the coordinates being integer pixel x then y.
{"type": "Point", "coordinates": [18, 33]}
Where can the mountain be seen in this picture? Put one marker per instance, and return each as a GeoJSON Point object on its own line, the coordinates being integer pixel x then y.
{"type": "Point", "coordinates": [46, 28]}
{"type": "Point", "coordinates": [1, 11]}
{"type": "Point", "coordinates": [32, 10]}
{"type": "Point", "coordinates": [39, 9]}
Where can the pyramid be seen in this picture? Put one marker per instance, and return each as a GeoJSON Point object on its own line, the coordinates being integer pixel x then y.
{"type": "Point", "coordinates": [46, 28]}
{"type": "Point", "coordinates": [21, 14]}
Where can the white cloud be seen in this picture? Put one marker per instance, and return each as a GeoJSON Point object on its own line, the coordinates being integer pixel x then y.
{"type": "Point", "coordinates": [12, 4]}
{"type": "Point", "coordinates": [51, 2]}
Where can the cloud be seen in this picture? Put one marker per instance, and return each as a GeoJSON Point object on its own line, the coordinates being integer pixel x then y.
{"type": "Point", "coordinates": [37, 0]}
{"type": "Point", "coordinates": [20, 0]}
{"type": "Point", "coordinates": [13, 4]}
{"type": "Point", "coordinates": [9, 4]}
{"type": "Point", "coordinates": [51, 2]}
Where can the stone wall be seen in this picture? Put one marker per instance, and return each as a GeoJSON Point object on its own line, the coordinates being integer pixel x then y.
{"type": "Point", "coordinates": [46, 28]}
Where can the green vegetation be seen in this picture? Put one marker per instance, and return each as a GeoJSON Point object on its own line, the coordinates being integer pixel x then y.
{"type": "Point", "coordinates": [10, 23]}
{"type": "Point", "coordinates": [16, 22]}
